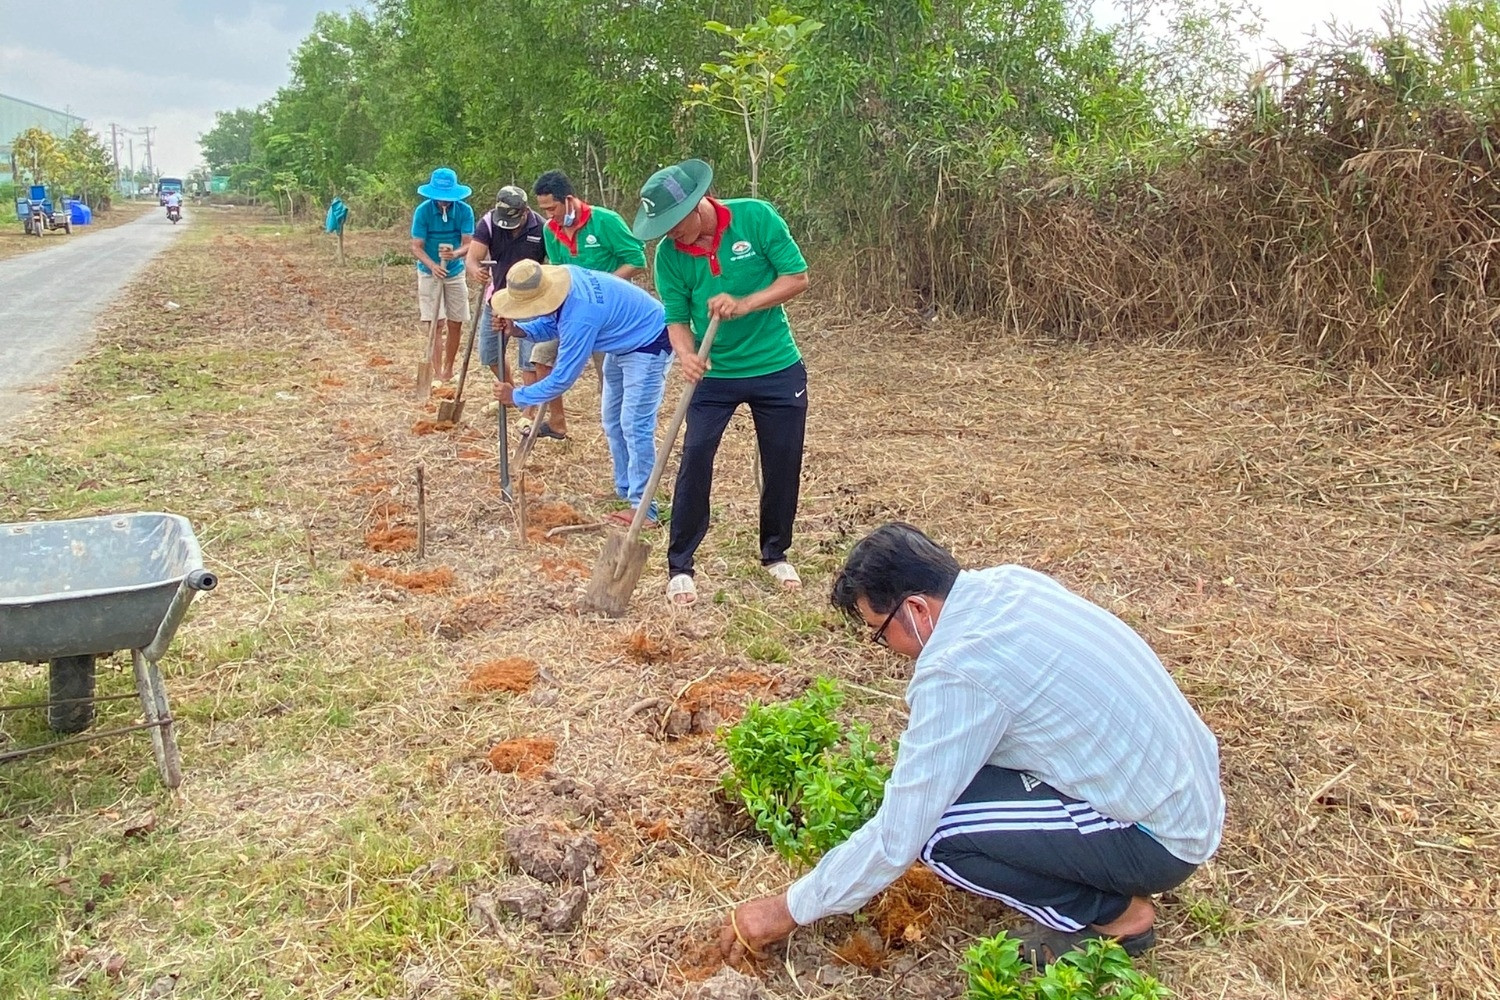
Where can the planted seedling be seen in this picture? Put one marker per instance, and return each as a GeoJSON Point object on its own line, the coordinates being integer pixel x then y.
{"type": "Point", "coordinates": [1099, 971]}
{"type": "Point", "coordinates": [807, 781]}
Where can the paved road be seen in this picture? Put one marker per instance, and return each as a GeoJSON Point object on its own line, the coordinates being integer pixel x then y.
{"type": "Point", "coordinates": [50, 298]}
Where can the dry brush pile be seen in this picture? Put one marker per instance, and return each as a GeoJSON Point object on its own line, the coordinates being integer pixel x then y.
{"type": "Point", "coordinates": [1332, 217]}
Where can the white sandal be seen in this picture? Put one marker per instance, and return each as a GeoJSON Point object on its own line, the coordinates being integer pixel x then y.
{"type": "Point", "coordinates": [682, 586]}
{"type": "Point", "coordinates": [785, 574]}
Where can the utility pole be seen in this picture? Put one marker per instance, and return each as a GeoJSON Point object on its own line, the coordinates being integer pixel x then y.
{"type": "Point", "coordinates": [114, 141]}
{"type": "Point", "coordinates": [132, 161]}
{"type": "Point", "coordinates": [150, 167]}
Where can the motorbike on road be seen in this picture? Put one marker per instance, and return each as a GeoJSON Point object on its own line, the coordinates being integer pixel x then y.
{"type": "Point", "coordinates": [174, 212]}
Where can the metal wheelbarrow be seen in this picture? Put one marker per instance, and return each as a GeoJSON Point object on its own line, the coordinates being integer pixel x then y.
{"type": "Point", "coordinates": [74, 590]}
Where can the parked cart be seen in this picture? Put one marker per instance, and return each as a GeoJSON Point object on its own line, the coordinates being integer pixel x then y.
{"type": "Point", "coordinates": [37, 215]}
{"type": "Point", "coordinates": [74, 590]}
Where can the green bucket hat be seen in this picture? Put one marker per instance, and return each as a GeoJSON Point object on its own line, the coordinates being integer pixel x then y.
{"type": "Point", "coordinates": [669, 195]}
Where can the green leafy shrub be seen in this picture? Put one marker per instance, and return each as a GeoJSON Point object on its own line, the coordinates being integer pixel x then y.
{"type": "Point", "coordinates": [1098, 971]}
{"type": "Point", "coordinates": [806, 780]}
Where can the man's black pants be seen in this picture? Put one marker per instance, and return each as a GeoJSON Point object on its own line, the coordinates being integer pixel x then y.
{"type": "Point", "coordinates": [778, 406]}
{"type": "Point", "coordinates": [1054, 858]}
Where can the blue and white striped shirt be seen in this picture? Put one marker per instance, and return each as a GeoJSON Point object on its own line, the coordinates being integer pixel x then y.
{"type": "Point", "coordinates": [1021, 673]}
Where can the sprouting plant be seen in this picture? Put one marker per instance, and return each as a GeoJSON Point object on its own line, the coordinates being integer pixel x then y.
{"type": "Point", "coordinates": [993, 966]}
{"type": "Point", "coordinates": [1099, 971]}
{"type": "Point", "coordinates": [807, 782]}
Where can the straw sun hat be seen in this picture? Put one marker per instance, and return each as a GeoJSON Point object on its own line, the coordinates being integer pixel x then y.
{"type": "Point", "coordinates": [531, 290]}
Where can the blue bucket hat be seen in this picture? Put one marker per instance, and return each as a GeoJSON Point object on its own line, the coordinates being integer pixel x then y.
{"type": "Point", "coordinates": [444, 186]}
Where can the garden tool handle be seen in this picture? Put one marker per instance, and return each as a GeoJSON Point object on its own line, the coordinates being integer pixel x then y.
{"type": "Point", "coordinates": [463, 369]}
{"type": "Point", "coordinates": [639, 520]}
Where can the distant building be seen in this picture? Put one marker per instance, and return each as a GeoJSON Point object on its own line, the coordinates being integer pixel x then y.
{"type": "Point", "coordinates": [16, 116]}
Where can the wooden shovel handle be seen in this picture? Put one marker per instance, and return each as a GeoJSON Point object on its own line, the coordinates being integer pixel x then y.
{"type": "Point", "coordinates": [463, 369]}
{"type": "Point", "coordinates": [639, 520]}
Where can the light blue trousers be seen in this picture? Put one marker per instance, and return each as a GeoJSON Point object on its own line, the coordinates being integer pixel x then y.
{"type": "Point", "coordinates": [633, 387]}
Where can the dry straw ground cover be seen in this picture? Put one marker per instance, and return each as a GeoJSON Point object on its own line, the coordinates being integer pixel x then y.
{"type": "Point", "coordinates": [1314, 554]}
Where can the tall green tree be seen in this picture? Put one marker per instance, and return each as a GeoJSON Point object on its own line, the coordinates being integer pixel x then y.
{"type": "Point", "coordinates": [39, 157]}
{"type": "Point", "coordinates": [231, 141]}
{"type": "Point", "coordinates": [90, 169]}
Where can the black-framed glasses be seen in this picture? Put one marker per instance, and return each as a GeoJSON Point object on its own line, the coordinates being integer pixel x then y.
{"type": "Point", "coordinates": [878, 638]}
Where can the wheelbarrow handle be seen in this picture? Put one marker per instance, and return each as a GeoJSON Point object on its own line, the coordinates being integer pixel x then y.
{"type": "Point", "coordinates": [198, 579]}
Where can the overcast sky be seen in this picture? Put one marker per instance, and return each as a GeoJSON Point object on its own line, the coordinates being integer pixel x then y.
{"type": "Point", "coordinates": [172, 63]}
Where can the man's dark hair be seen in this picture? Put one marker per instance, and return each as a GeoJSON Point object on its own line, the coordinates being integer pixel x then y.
{"type": "Point", "coordinates": [890, 564]}
{"type": "Point", "coordinates": [554, 183]}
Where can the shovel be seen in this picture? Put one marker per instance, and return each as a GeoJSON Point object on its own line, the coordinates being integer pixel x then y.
{"type": "Point", "coordinates": [452, 409]}
{"type": "Point", "coordinates": [504, 451]}
{"type": "Point", "coordinates": [623, 557]}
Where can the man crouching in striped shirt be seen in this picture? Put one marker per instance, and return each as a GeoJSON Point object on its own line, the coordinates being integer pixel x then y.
{"type": "Point", "coordinates": [1049, 761]}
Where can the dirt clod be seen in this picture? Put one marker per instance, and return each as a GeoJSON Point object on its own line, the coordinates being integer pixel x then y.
{"type": "Point", "coordinates": [727, 984]}
{"type": "Point", "coordinates": [426, 582]}
{"type": "Point", "coordinates": [903, 912]}
{"type": "Point", "coordinates": [564, 912]}
{"type": "Point", "coordinates": [643, 647]}
{"type": "Point", "coordinates": [550, 854]}
{"type": "Point", "coordinates": [864, 950]}
{"type": "Point", "coordinates": [527, 901]}
{"type": "Point", "coordinates": [522, 756]}
{"type": "Point", "coordinates": [515, 674]}
{"type": "Point", "coordinates": [424, 427]}
{"type": "Point", "coordinates": [391, 539]}
{"type": "Point", "coordinates": [467, 616]}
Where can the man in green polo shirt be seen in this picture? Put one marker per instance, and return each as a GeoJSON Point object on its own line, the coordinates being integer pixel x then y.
{"type": "Point", "coordinates": [736, 260]}
{"type": "Point", "coordinates": [591, 237]}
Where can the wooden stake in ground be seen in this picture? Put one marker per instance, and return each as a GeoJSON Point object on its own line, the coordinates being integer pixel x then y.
{"type": "Point", "coordinates": [623, 558]}
{"type": "Point", "coordinates": [421, 513]}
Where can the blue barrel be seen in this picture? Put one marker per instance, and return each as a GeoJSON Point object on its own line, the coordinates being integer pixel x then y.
{"type": "Point", "coordinates": [79, 214]}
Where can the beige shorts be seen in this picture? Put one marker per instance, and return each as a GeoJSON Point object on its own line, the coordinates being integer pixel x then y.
{"type": "Point", "coordinates": [454, 294]}
{"type": "Point", "coordinates": [545, 353]}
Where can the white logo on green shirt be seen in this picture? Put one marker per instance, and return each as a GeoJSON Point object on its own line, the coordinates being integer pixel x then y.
{"type": "Point", "coordinates": [591, 240]}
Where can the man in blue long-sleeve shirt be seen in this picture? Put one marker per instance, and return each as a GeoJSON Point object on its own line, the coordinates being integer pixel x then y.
{"type": "Point", "coordinates": [587, 311]}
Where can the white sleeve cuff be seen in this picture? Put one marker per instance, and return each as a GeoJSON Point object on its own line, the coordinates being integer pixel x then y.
{"type": "Point", "coordinates": [801, 902]}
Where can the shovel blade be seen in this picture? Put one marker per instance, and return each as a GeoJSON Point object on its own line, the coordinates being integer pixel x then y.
{"type": "Point", "coordinates": [450, 410]}
{"type": "Point", "coordinates": [616, 573]}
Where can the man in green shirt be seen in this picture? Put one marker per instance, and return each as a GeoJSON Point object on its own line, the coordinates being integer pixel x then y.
{"type": "Point", "coordinates": [594, 238]}
{"type": "Point", "coordinates": [736, 260]}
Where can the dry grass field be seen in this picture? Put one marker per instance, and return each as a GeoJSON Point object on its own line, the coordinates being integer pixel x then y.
{"type": "Point", "coordinates": [371, 740]}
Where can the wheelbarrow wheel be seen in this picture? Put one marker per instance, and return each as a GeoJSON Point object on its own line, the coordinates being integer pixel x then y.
{"type": "Point", "coordinates": [71, 678]}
